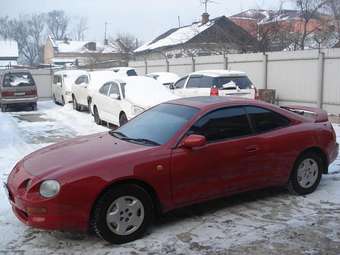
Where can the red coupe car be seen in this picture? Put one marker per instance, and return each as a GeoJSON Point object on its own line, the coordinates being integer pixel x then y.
{"type": "Point", "coordinates": [178, 153]}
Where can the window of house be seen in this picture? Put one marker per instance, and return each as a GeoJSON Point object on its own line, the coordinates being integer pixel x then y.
{"type": "Point", "coordinates": [180, 84]}
{"type": "Point", "coordinates": [264, 120]}
{"type": "Point", "coordinates": [223, 124]}
{"type": "Point", "coordinates": [105, 89]}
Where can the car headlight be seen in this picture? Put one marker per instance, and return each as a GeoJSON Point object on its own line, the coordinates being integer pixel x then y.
{"type": "Point", "coordinates": [49, 188]}
{"type": "Point", "coordinates": [137, 110]}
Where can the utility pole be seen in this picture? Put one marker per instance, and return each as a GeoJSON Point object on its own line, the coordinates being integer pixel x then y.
{"type": "Point", "coordinates": [179, 21]}
{"type": "Point", "coordinates": [105, 31]}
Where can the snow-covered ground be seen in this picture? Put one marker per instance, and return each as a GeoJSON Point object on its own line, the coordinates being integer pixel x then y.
{"type": "Point", "coordinates": [264, 222]}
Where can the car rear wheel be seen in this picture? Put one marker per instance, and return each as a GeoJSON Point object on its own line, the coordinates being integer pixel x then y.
{"type": "Point", "coordinates": [96, 116]}
{"type": "Point", "coordinates": [55, 100]}
{"type": "Point", "coordinates": [123, 214]}
{"type": "Point", "coordinates": [306, 175]}
{"type": "Point", "coordinates": [63, 100]}
{"type": "Point", "coordinates": [122, 119]}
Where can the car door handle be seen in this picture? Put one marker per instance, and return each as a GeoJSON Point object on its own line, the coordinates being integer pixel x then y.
{"type": "Point", "coordinates": [252, 148]}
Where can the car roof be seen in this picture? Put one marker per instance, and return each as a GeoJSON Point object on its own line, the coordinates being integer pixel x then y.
{"type": "Point", "coordinates": [75, 72]}
{"type": "Point", "coordinates": [204, 102]}
{"type": "Point", "coordinates": [220, 73]}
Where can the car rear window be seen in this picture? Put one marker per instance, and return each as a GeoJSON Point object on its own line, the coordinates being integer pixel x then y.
{"type": "Point", "coordinates": [131, 73]}
{"type": "Point", "coordinates": [18, 80]}
{"type": "Point", "coordinates": [242, 82]}
{"type": "Point", "coordinates": [200, 82]}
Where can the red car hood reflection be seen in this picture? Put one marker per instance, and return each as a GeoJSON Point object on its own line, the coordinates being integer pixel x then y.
{"type": "Point", "coordinates": [78, 152]}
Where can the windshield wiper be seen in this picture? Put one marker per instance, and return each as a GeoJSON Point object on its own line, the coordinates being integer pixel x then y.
{"type": "Point", "coordinates": [141, 140]}
{"type": "Point", "coordinates": [117, 134]}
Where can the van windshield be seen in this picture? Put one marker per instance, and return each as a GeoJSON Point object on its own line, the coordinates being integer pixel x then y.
{"type": "Point", "coordinates": [18, 80]}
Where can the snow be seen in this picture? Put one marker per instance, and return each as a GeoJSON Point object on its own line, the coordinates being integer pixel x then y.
{"type": "Point", "coordinates": [262, 222]}
{"type": "Point", "coordinates": [99, 78]}
{"type": "Point", "coordinates": [164, 77]}
{"type": "Point", "coordinates": [8, 49]}
{"type": "Point", "coordinates": [146, 92]}
{"type": "Point", "coordinates": [180, 36]}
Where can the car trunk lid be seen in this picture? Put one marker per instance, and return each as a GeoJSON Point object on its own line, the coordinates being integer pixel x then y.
{"type": "Point", "coordinates": [316, 114]}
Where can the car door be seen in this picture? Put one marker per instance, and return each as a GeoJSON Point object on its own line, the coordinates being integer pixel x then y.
{"type": "Point", "coordinates": [223, 165]}
{"type": "Point", "coordinates": [275, 147]}
{"type": "Point", "coordinates": [179, 86]}
{"type": "Point", "coordinates": [101, 101]}
{"type": "Point", "coordinates": [82, 83]}
{"type": "Point", "coordinates": [114, 104]}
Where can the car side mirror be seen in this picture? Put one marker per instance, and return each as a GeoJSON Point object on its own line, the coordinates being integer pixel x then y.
{"type": "Point", "coordinates": [194, 141]}
{"type": "Point", "coordinates": [115, 96]}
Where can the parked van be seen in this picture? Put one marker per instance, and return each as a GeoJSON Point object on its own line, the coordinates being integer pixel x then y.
{"type": "Point", "coordinates": [17, 87]}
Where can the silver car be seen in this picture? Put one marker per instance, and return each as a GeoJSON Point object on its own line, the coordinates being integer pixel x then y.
{"type": "Point", "coordinates": [17, 87]}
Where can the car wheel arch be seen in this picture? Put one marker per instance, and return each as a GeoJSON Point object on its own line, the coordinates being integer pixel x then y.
{"type": "Point", "coordinates": [144, 185]}
{"type": "Point", "coordinates": [318, 151]}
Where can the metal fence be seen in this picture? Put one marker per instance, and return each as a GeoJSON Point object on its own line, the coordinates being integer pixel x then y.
{"type": "Point", "coordinates": [309, 78]}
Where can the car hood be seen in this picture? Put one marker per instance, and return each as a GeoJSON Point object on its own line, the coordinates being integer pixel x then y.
{"type": "Point", "coordinates": [75, 153]}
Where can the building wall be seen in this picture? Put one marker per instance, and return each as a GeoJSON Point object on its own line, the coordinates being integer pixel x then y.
{"type": "Point", "coordinates": [48, 52]}
{"type": "Point", "coordinates": [305, 77]}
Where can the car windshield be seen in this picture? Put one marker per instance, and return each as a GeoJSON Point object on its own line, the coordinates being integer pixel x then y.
{"type": "Point", "coordinates": [241, 81]}
{"type": "Point", "coordinates": [157, 125]}
{"type": "Point", "coordinates": [18, 80]}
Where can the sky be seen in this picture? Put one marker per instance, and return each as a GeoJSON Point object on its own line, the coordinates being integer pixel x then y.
{"type": "Point", "coordinates": [145, 19]}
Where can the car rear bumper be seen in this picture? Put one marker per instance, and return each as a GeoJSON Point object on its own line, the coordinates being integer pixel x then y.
{"type": "Point", "coordinates": [26, 100]}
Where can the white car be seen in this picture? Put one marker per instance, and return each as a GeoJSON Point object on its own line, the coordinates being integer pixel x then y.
{"type": "Point", "coordinates": [215, 83]}
{"type": "Point", "coordinates": [166, 78]}
{"type": "Point", "coordinates": [121, 99]}
{"type": "Point", "coordinates": [124, 71]}
{"type": "Point", "coordinates": [62, 85]}
{"type": "Point", "coordinates": [85, 85]}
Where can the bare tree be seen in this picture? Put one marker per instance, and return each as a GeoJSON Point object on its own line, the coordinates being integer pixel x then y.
{"type": "Point", "coordinates": [333, 7]}
{"type": "Point", "coordinates": [80, 28]}
{"type": "Point", "coordinates": [57, 23]}
{"type": "Point", "coordinates": [129, 41]}
{"type": "Point", "coordinates": [309, 9]}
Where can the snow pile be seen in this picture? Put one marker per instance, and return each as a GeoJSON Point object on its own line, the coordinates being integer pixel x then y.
{"type": "Point", "coordinates": [179, 36]}
{"type": "Point", "coordinates": [146, 92]}
{"type": "Point", "coordinates": [164, 77]}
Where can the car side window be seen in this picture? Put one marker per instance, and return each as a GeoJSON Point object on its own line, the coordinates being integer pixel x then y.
{"type": "Point", "coordinates": [114, 89]}
{"type": "Point", "coordinates": [264, 120]}
{"type": "Point", "coordinates": [200, 82]}
{"type": "Point", "coordinates": [105, 89]}
{"type": "Point", "coordinates": [180, 83]}
{"type": "Point", "coordinates": [223, 124]}
{"type": "Point", "coordinates": [82, 79]}
{"type": "Point", "coordinates": [56, 79]}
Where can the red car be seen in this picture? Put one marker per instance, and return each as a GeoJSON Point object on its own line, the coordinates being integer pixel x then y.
{"type": "Point", "coordinates": [178, 153]}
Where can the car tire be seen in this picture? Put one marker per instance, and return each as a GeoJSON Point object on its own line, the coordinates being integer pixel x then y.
{"type": "Point", "coordinates": [96, 116]}
{"type": "Point", "coordinates": [34, 107]}
{"type": "Point", "coordinates": [89, 105]}
{"type": "Point", "coordinates": [55, 100]}
{"type": "Point", "coordinates": [75, 104]}
{"type": "Point", "coordinates": [131, 210]}
{"type": "Point", "coordinates": [306, 174]}
{"type": "Point", "coordinates": [3, 108]}
{"type": "Point", "coordinates": [122, 119]}
{"type": "Point", "coordinates": [63, 100]}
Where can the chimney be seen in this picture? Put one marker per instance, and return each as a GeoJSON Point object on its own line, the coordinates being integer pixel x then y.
{"type": "Point", "coordinates": [205, 18]}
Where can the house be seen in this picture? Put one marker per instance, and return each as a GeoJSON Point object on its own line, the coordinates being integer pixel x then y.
{"type": "Point", "coordinates": [9, 53]}
{"type": "Point", "coordinates": [84, 53]}
{"type": "Point", "coordinates": [280, 26]}
{"type": "Point", "coordinates": [207, 37]}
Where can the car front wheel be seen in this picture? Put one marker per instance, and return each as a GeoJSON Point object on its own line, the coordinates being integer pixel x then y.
{"type": "Point", "coordinates": [306, 174]}
{"type": "Point", "coordinates": [123, 214]}
{"type": "Point", "coordinates": [122, 119]}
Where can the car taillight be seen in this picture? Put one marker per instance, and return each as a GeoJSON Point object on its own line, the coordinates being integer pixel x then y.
{"type": "Point", "coordinates": [31, 92]}
{"type": "Point", "coordinates": [7, 94]}
{"type": "Point", "coordinates": [214, 91]}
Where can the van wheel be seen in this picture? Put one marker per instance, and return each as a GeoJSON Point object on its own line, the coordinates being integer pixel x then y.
{"type": "Point", "coordinates": [306, 174]}
{"type": "Point", "coordinates": [96, 116]}
{"type": "Point", "coordinates": [63, 100]}
{"type": "Point", "coordinates": [3, 108]}
{"type": "Point", "coordinates": [55, 100]}
{"type": "Point", "coordinates": [122, 119]}
{"type": "Point", "coordinates": [122, 214]}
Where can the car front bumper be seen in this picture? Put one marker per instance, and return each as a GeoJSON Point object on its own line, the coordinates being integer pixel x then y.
{"type": "Point", "coordinates": [37, 212]}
